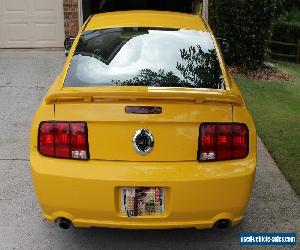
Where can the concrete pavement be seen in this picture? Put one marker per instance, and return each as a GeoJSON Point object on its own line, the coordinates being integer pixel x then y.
{"type": "Point", "coordinates": [25, 76]}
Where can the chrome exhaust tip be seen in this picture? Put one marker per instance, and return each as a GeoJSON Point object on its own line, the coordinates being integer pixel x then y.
{"type": "Point", "coordinates": [63, 223]}
{"type": "Point", "coordinates": [222, 224]}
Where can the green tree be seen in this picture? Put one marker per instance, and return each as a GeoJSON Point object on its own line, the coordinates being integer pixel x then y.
{"type": "Point", "coordinates": [199, 69]}
{"type": "Point", "coordinates": [246, 26]}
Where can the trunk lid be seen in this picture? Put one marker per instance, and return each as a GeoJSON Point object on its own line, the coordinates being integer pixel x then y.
{"type": "Point", "coordinates": [174, 124]}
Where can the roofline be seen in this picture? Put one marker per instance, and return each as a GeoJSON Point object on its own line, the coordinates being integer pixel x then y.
{"type": "Point", "coordinates": [168, 19]}
{"type": "Point", "coordinates": [148, 11]}
{"type": "Point", "coordinates": [87, 22]}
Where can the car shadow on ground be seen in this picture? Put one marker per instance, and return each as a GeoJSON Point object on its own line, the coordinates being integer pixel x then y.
{"type": "Point", "coordinates": [101, 238]}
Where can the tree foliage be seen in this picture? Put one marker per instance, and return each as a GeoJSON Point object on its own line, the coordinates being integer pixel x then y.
{"type": "Point", "coordinates": [246, 25]}
{"type": "Point", "coordinates": [201, 68]}
{"type": "Point", "coordinates": [198, 69]}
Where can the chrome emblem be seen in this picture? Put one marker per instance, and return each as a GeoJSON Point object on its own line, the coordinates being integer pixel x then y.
{"type": "Point", "coordinates": [143, 141]}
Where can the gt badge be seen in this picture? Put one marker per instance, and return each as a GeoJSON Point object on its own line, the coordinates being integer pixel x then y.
{"type": "Point", "coordinates": [143, 141]}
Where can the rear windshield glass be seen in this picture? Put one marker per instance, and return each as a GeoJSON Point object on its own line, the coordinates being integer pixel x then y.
{"type": "Point", "coordinates": [145, 57]}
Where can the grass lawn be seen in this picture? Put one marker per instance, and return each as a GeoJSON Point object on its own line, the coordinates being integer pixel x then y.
{"type": "Point", "coordinates": [275, 107]}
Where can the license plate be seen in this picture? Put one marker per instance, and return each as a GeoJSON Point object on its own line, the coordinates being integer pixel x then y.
{"type": "Point", "coordinates": [142, 201]}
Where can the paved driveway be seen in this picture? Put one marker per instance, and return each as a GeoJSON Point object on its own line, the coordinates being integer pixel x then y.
{"type": "Point", "coordinates": [24, 79]}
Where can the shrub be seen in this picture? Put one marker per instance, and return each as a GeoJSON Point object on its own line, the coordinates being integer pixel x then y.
{"type": "Point", "coordinates": [287, 32]}
{"type": "Point", "coordinates": [287, 29]}
{"type": "Point", "coordinates": [292, 16]}
{"type": "Point", "coordinates": [246, 26]}
{"type": "Point", "coordinates": [291, 4]}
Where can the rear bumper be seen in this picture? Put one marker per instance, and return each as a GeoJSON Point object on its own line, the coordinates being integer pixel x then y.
{"type": "Point", "coordinates": [87, 192]}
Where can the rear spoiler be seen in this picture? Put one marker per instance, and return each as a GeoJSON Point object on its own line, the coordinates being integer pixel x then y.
{"type": "Point", "coordinates": [209, 96]}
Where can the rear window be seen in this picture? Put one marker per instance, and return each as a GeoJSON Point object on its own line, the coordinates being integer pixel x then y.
{"type": "Point", "coordinates": [145, 57]}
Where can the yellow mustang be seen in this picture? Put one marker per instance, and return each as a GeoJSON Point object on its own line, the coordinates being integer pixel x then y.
{"type": "Point", "coordinates": [143, 128]}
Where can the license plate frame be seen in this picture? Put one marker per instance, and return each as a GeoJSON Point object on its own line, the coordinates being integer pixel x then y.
{"type": "Point", "coordinates": [142, 201]}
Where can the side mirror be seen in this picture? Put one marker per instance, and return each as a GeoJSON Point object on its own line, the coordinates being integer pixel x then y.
{"type": "Point", "coordinates": [68, 44]}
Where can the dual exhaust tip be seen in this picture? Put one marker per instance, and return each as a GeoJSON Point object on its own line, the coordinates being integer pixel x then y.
{"type": "Point", "coordinates": [65, 223]}
{"type": "Point", "coordinates": [222, 224]}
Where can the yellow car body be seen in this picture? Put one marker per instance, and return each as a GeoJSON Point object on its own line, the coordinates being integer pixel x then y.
{"type": "Point", "coordinates": [197, 194]}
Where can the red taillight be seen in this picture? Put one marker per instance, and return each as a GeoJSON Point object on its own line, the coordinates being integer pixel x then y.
{"type": "Point", "coordinates": [78, 143]}
{"type": "Point", "coordinates": [208, 141]}
{"type": "Point", "coordinates": [46, 139]}
{"type": "Point", "coordinates": [239, 141]}
{"type": "Point", "coordinates": [63, 140]}
{"type": "Point", "coordinates": [223, 141]}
